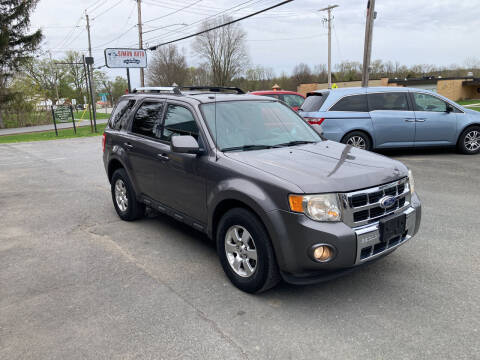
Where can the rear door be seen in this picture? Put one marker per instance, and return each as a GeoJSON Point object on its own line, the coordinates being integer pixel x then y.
{"type": "Point", "coordinates": [393, 119]}
{"type": "Point", "coordinates": [142, 146]}
{"type": "Point", "coordinates": [434, 125]}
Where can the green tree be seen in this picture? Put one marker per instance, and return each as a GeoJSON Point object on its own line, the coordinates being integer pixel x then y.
{"type": "Point", "coordinates": [119, 88]}
{"type": "Point", "coordinates": [15, 42]}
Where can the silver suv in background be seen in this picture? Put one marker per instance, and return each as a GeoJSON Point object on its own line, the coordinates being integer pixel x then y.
{"type": "Point", "coordinates": [393, 117]}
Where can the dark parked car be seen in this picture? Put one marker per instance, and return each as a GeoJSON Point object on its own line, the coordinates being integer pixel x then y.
{"type": "Point", "coordinates": [248, 171]}
{"type": "Point", "coordinates": [393, 117]}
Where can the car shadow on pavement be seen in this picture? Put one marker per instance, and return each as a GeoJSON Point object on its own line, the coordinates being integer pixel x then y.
{"type": "Point", "coordinates": [418, 151]}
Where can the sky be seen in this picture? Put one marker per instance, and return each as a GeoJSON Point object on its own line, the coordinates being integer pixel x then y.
{"type": "Point", "coordinates": [441, 32]}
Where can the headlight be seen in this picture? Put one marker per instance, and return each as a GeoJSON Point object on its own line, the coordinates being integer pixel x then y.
{"type": "Point", "coordinates": [411, 182]}
{"type": "Point", "coordinates": [322, 207]}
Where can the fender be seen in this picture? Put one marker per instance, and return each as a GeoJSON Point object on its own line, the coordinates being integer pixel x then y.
{"type": "Point", "coordinates": [118, 154]}
{"type": "Point", "coordinates": [251, 195]}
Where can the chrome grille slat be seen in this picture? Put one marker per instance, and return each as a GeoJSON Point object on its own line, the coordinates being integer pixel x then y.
{"type": "Point", "coordinates": [368, 208]}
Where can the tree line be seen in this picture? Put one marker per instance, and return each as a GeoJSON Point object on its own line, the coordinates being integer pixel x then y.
{"type": "Point", "coordinates": [27, 80]}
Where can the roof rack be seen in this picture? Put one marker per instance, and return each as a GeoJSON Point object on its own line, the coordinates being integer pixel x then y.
{"type": "Point", "coordinates": [158, 89]}
{"type": "Point", "coordinates": [214, 88]}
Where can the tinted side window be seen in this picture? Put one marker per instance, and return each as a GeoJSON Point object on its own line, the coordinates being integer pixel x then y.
{"type": "Point", "coordinates": [120, 114]}
{"type": "Point", "coordinates": [292, 100]}
{"type": "Point", "coordinates": [271, 95]}
{"type": "Point", "coordinates": [148, 119]}
{"type": "Point", "coordinates": [425, 102]}
{"type": "Point", "coordinates": [388, 101]}
{"type": "Point", "coordinates": [356, 103]}
{"type": "Point", "coordinates": [314, 101]}
{"type": "Point", "coordinates": [179, 121]}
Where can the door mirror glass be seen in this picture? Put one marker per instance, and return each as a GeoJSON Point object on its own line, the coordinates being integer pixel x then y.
{"type": "Point", "coordinates": [184, 144]}
{"type": "Point", "coordinates": [449, 108]}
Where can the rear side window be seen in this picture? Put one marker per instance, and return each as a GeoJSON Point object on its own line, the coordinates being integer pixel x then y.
{"type": "Point", "coordinates": [120, 114]}
{"type": "Point", "coordinates": [357, 103]}
{"type": "Point", "coordinates": [314, 101]}
{"type": "Point", "coordinates": [179, 121]}
{"type": "Point", "coordinates": [292, 100]}
{"type": "Point", "coordinates": [388, 101]}
{"type": "Point", "coordinates": [148, 119]}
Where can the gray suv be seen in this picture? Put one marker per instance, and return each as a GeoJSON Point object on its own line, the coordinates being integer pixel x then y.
{"type": "Point", "coordinates": [279, 200]}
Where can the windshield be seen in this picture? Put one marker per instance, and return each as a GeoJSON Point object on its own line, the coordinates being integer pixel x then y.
{"type": "Point", "coordinates": [252, 125]}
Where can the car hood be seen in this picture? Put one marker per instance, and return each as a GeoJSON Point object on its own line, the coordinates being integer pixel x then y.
{"type": "Point", "coordinates": [471, 112]}
{"type": "Point", "coordinates": [326, 166]}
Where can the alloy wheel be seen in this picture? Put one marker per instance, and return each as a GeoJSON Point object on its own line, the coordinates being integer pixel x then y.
{"type": "Point", "coordinates": [241, 251]}
{"type": "Point", "coordinates": [472, 140]}
{"type": "Point", "coordinates": [357, 141]}
{"type": "Point", "coordinates": [121, 195]}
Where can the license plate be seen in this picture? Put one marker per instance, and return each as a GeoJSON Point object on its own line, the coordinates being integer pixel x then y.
{"type": "Point", "coordinates": [391, 227]}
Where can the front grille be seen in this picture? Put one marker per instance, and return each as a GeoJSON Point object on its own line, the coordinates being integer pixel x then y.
{"type": "Point", "coordinates": [363, 207]}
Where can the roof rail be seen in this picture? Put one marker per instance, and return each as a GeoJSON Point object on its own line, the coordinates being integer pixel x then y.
{"type": "Point", "coordinates": [158, 89]}
{"type": "Point", "coordinates": [214, 88]}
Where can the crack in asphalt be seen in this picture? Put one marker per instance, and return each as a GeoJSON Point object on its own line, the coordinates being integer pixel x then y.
{"type": "Point", "coordinates": [90, 231]}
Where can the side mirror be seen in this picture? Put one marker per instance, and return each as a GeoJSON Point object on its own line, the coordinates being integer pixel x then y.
{"type": "Point", "coordinates": [184, 144]}
{"type": "Point", "coordinates": [449, 108]}
{"type": "Point", "coordinates": [318, 128]}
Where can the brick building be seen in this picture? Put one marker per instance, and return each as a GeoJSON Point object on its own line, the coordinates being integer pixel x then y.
{"type": "Point", "coordinates": [454, 88]}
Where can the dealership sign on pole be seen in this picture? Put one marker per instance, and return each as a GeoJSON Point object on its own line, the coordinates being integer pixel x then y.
{"type": "Point", "coordinates": [125, 58]}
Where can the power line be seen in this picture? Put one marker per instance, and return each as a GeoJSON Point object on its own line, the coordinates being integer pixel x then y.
{"type": "Point", "coordinates": [204, 19]}
{"type": "Point", "coordinates": [108, 9]}
{"type": "Point", "coordinates": [173, 12]}
{"type": "Point", "coordinates": [222, 25]}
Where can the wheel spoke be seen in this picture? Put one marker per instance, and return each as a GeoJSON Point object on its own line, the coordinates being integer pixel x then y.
{"type": "Point", "coordinates": [230, 248]}
{"type": "Point", "coordinates": [247, 267]}
{"type": "Point", "coordinates": [251, 254]}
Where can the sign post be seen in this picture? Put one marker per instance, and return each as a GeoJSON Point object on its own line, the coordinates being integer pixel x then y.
{"type": "Point", "coordinates": [62, 114]}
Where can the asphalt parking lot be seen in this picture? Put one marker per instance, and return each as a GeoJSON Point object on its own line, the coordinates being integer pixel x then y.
{"type": "Point", "coordinates": [76, 282]}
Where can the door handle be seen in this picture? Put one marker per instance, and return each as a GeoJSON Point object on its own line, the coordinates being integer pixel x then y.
{"type": "Point", "coordinates": [410, 119]}
{"type": "Point", "coordinates": [128, 145]}
{"type": "Point", "coordinates": [421, 119]}
{"type": "Point", "coordinates": [163, 157]}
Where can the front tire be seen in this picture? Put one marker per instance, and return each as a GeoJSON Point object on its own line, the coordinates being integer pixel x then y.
{"type": "Point", "coordinates": [469, 141]}
{"type": "Point", "coordinates": [245, 251]}
{"type": "Point", "coordinates": [124, 197]}
{"type": "Point", "coordinates": [358, 139]}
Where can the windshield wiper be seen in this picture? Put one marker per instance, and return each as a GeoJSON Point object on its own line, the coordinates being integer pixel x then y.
{"type": "Point", "coordinates": [296, 142]}
{"type": "Point", "coordinates": [248, 147]}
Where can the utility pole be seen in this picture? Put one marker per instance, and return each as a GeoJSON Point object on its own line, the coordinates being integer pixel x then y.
{"type": "Point", "coordinates": [89, 63]}
{"type": "Point", "coordinates": [329, 21]}
{"type": "Point", "coordinates": [140, 40]}
{"type": "Point", "coordinates": [367, 50]}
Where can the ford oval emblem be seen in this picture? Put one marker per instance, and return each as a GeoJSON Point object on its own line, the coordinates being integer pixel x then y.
{"type": "Point", "coordinates": [387, 201]}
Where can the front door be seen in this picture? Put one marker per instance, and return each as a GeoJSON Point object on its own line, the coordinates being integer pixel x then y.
{"type": "Point", "coordinates": [392, 118]}
{"type": "Point", "coordinates": [185, 188]}
{"type": "Point", "coordinates": [434, 124]}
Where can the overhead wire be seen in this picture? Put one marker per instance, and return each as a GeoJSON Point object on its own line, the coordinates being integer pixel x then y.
{"type": "Point", "coordinates": [222, 25]}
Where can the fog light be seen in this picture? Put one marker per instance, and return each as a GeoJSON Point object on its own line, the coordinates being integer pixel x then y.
{"type": "Point", "coordinates": [323, 253]}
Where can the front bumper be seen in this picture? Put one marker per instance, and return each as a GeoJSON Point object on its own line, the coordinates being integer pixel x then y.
{"type": "Point", "coordinates": [293, 235]}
